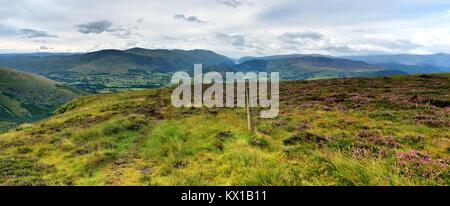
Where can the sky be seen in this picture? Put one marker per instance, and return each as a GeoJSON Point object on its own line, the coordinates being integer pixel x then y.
{"type": "Point", "coordinates": [234, 28]}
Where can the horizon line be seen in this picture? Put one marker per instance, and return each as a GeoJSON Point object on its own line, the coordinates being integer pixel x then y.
{"type": "Point", "coordinates": [256, 56]}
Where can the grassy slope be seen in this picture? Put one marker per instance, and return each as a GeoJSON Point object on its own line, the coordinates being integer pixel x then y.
{"type": "Point", "coordinates": [26, 97]}
{"type": "Point", "coordinates": [363, 131]}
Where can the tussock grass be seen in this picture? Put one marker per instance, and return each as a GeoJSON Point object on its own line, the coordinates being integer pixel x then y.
{"type": "Point", "coordinates": [372, 131]}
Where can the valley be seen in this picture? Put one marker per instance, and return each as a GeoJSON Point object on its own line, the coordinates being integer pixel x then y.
{"type": "Point", "coordinates": [106, 83]}
{"type": "Point", "coordinates": [137, 68]}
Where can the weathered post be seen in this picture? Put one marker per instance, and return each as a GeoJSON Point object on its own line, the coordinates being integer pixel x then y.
{"type": "Point", "coordinates": [249, 111]}
{"type": "Point", "coordinates": [155, 109]}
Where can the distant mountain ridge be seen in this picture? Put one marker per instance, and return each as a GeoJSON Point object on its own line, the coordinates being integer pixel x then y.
{"type": "Point", "coordinates": [275, 57]}
{"type": "Point", "coordinates": [412, 69]}
{"type": "Point", "coordinates": [162, 60]}
{"type": "Point", "coordinates": [407, 63]}
{"type": "Point", "coordinates": [313, 67]}
{"type": "Point", "coordinates": [138, 68]}
{"type": "Point", "coordinates": [439, 61]}
{"type": "Point", "coordinates": [113, 61]}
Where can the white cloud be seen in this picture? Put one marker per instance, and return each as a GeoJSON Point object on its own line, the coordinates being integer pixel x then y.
{"type": "Point", "coordinates": [239, 28]}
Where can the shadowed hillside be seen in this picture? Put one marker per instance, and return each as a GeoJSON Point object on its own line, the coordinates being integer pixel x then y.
{"type": "Point", "coordinates": [27, 97]}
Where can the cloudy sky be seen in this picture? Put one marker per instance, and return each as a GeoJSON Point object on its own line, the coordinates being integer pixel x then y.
{"type": "Point", "coordinates": [231, 27]}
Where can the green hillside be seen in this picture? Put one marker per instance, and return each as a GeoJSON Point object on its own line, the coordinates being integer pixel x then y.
{"type": "Point", "coordinates": [27, 97]}
{"type": "Point", "coordinates": [359, 131]}
{"type": "Point", "coordinates": [113, 70]}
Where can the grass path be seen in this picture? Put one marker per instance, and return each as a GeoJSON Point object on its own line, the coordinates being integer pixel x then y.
{"type": "Point", "coordinates": [126, 168]}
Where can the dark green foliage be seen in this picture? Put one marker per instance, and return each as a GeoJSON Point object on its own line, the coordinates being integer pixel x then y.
{"type": "Point", "coordinates": [98, 159]}
{"type": "Point", "coordinates": [304, 137]}
{"type": "Point", "coordinates": [259, 142]}
{"type": "Point", "coordinates": [67, 107]}
{"type": "Point", "coordinates": [24, 150]}
{"type": "Point", "coordinates": [27, 97]}
{"type": "Point", "coordinates": [23, 171]}
{"type": "Point", "coordinates": [221, 137]}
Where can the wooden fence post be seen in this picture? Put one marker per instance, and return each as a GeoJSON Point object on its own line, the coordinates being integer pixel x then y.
{"type": "Point", "coordinates": [251, 126]}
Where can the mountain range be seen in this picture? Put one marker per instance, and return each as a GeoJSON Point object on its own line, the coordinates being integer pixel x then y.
{"type": "Point", "coordinates": [419, 63]}
{"type": "Point", "coordinates": [295, 67]}
{"type": "Point", "coordinates": [275, 57]}
{"type": "Point", "coordinates": [113, 61]}
{"type": "Point", "coordinates": [137, 68]}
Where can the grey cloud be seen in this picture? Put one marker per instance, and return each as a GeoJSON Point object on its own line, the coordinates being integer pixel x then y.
{"type": "Point", "coordinates": [231, 3]}
{"type": "Point", "coordinates": [25, 33]}
{"type": "Point", "coordinates": [106, 26]}
{"type": "Point", "coordinates": [193, 19]}
{"type": "Point", "coordinates": [95, 27]}
{"type": "Point", "coordinates": [295, 37]}
{"type": "Point", "coordinates": [423, 21]}
{"type": "Point", "coordinates": [31, 33]}
{"type": "Point", "coordinates": [44, 48]}
{"type": "Point", "coordinates": [235, 40]}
